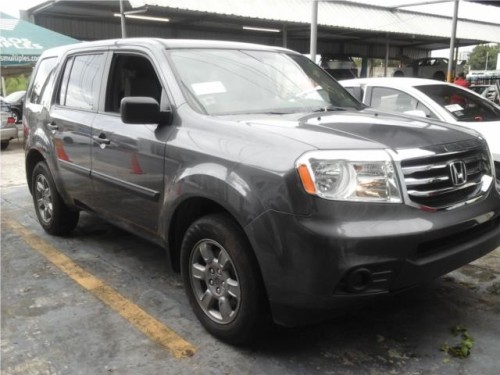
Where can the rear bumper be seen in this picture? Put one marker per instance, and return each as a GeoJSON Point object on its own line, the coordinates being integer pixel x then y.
{"type": "Point", "coordinates": [8, 133]}
{"type": "Point", "coordinates": [351, 253]}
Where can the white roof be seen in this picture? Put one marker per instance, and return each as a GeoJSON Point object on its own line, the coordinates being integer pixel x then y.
{"type": "Point", "coordinates": [340, 14]}
{"type": "Point", "coordinates": [391, 81]}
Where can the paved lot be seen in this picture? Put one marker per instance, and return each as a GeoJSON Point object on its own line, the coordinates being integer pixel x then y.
{"type": "Point", "coordinates": [91, 303]}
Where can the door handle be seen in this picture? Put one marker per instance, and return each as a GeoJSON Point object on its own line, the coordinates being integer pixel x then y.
{"type": "Point", "coordinates": [101, 139]}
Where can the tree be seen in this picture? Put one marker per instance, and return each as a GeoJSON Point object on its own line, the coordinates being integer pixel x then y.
{"type": "Point", "coordinates": [16, 83]}
{"type": "Point", "coordinates": [477, 58]}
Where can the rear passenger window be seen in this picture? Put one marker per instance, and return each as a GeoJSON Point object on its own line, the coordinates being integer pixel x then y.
{"type": "Point", "coordinates": [44, 72]}
{"type": "Point", "coordinates": [81, 82]}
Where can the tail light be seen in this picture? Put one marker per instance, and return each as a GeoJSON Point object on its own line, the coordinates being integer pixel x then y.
{"type": "Point", "coordinates": [11, 120]}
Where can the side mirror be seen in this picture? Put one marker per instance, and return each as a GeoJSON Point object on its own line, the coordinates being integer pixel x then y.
{"type": "Point", "coordinates": [416, 112]}
{"type": "Point", "coordinates": [142, 110]}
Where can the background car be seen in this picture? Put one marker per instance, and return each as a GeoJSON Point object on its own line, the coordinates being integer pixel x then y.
{"type": "Point", "coordinates": [492, 92]}
{"type": "Point", "coordinates": [339, 66]}
{"type": "Point", "coordinates": [478, 89]}
{"type": "Point", "coordinates": [8, 129]}
{"type": "Point", "coordinates": [16, 101]}
{"type": "Point", "coordinates": [438, 100]}
{"type": "Point", "coordinates": [427, 67]}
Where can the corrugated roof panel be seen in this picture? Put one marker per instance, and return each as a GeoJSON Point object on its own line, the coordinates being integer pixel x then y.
{"type": "Point", "coordinates": [340, 14]}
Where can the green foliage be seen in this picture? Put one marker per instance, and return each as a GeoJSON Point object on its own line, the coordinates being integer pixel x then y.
{"type": "Point", "coordinates": [463, 349]}
{"type": "Point", "coordinates": [477, 58]}
{"type": "Point", "coordinates": [16, 83]}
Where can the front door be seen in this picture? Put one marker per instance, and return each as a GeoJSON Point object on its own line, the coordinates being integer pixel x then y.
{"type": "Point", "coordinates": [128, 160]}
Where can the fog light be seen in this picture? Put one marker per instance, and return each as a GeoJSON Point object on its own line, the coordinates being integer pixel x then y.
{"type": "Point", "coordinates": [358, 280]}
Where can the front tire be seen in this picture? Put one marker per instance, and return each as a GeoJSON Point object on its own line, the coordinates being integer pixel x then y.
{"type": "Point", "coordinates": [53, 214]}
{"type": "Point", "coordinates": [222, 280]}
{"type": "Point", "coordinates": [4, 145]}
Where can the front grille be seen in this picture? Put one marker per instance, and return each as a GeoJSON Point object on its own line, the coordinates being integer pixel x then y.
{"type": "Point", "coordinates": [441, 180]}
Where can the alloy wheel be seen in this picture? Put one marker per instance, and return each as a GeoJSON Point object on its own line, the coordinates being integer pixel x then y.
{"type": "Point", "coordinates": [215, 281]}
{"type": "Point", "coordinates": [44, 201]}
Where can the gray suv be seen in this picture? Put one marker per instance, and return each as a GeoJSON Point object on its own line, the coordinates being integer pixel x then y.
{"type": "Point", "coordinates": [276, 194]}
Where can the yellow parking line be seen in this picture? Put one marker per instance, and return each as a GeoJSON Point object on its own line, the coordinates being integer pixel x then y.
{"type": "Point", "coordinates": [140, 319]}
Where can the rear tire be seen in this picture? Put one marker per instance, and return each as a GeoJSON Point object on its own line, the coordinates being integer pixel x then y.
{"type": "Point", "coordinates": [53, 214]}
{"type": "Point", "coordinates": [222, 280]}
{"type": "Point", "coordinates": [398, 73]}
{"type": "Point", "coordinates": [4, 145]}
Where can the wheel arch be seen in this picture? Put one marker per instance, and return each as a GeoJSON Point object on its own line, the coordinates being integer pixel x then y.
{"type": "Point", "coordinates": [33, 157]}
{"type": "Point", "coordinates": [186, 213]}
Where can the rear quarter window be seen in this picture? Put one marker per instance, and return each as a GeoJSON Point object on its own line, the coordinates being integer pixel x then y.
{"type": "Point", "coordinates": [43, 74]}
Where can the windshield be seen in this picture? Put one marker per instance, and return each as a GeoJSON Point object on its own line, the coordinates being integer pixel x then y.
{"type": "Point", "coordinates": [219, 82]}
{"type": "Point", "coordinates": [462, 104]}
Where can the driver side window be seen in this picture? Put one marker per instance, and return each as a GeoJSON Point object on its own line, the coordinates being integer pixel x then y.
{"type": "Point", "coordinates": [131, 75]}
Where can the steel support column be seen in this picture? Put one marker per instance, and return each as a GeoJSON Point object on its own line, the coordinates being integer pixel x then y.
{"type": "Point", "coordinates": [449, 77]}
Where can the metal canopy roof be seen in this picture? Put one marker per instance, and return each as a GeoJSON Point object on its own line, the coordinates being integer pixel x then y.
{"type": "Point", "coordinates": [343, 27]}
{"type": "Point", "coordinates": [344, 15]}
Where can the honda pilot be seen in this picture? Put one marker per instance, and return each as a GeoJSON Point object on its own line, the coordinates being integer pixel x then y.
{"type": "Point", "coordinates": [274, 192]}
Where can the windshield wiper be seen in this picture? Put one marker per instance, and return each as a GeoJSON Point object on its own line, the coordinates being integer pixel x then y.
{"type": "Point", "coordinates": [329, 108]}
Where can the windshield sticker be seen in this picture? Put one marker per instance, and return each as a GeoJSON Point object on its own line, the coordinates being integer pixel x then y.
{"type": "Point", "coordinates": [454, 107]}
{"type": "Point", "coordinates": [205, 88]}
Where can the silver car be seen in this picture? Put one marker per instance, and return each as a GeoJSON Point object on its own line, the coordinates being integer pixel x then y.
{"type": "Point", "coordinates": [8, 127]}
{"type": "Point", "coordinates": [438, 100]}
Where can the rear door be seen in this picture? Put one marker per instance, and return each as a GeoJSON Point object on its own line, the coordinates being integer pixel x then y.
{"type": "Point", "coordinates": [128, 160]}
{"type": "Point", "coordinates": [71, 117]}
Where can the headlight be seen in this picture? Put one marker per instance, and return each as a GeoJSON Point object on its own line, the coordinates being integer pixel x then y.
{"type": "Point", "coordinates": [350, 175]}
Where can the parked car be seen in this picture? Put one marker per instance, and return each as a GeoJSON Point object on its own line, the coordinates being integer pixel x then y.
{"type": "Point", "coordinates": [438, 100]}
{"type": "Point", "coordinates": [478, 89]}
{"type": "Point", "coordinates": [492, 92]}
{"type": "Point", "coordinates": [16, 101]}
{"type": "Point", "coordinates": [273, 191]}
{"type": "Point", "coordinates": [8, 129]}
{"type": "Point", "coordinates": [427, 67]}
{"type": "Point", "coordinates": [339, 66]}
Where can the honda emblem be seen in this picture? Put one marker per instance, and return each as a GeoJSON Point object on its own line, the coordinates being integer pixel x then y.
{"type": "Point", "coordinates": [458, 172]}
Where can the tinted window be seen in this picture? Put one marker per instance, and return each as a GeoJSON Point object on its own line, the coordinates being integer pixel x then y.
{"type": "Point", "coordinates": [131, 75]}
{"type": "Point", "coordinates": [44, 72]}
{"type": "Point", "coordinates": [81, 82]}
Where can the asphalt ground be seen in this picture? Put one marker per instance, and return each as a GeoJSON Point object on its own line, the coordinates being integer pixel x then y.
{"type": "Point", "coordinates": [101, 302]}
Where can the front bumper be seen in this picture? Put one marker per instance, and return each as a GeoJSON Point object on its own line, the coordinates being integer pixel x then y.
{"type": "Point", "coordinates": [346, 253]}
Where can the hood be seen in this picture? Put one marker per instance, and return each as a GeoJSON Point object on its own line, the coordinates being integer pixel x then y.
{"type": "Point", "coordinates": [367, 129]}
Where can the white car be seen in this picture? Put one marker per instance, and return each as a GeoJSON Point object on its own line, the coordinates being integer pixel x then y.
{"type": "Point", "coordinates": [427, 67]}
{"type": "Point", "coordinates": [438, 100]}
